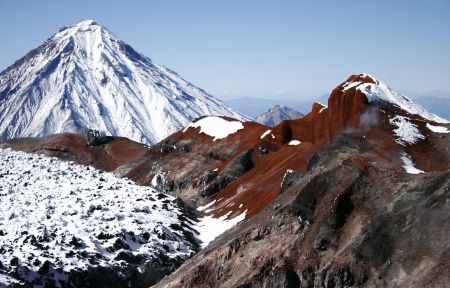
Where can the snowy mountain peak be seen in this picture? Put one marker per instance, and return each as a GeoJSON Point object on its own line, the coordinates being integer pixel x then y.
{"type": "Point", "coordinates": [86, 23]}
{"type": "Point", "coordinates": [84, 26]}
{"type": "Point", "coordinates": [84, 76]}
{"type": "Point", "coordinates": [376, 91]}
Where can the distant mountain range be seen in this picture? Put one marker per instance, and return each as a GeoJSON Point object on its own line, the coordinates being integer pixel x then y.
{"type": "Point", "coordinates": [85, 77]}
{"type": "Point", "coordinates": [254, 106]}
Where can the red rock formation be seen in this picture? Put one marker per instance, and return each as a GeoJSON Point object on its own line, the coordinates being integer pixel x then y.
{"type": "Point", "coordinates": [348, 112]}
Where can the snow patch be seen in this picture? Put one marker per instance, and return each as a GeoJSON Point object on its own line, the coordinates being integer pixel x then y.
{"type": "Point", "coordinates": [409, 165]}
{"type": "Point", "coordinates": [349, 85]}
{"type": "Point", "coordinates": [158, 179]}
{"type": "Point", "coordinates": [437, 129]}
{"type": "Point", "coordinates": [294, 142]}
{"type": "Point", "coordinates": [244, 187]}
{"type": "Point", "coordinates": [202, 208]}
{"type": "Point", "coordinates": [405, 131]}
{"type": "Point", "coordinates": [266, 133]}
{"type": "Point", "coordinates": [8, 280]}
{"type": "Point", "coordinates": [216, 127]}
{"type": "Point", "coordinates": [209, 227]}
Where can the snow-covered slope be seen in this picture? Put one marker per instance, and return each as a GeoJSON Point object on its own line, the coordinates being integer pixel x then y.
{"type": "Point", "coordinates": [216, 127]}
{"type": "Point", "coordinates": [66, 225]}
{"type": "Point", "coordinates": [84, 76]}
{"type": "Point", "coordinates": [59, 219]}
{"type": "Point", "coordinates": [277, 114]}
{"type": "Point", "coordinates": [376, 91]}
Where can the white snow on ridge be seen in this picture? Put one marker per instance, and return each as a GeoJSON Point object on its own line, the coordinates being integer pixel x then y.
{"type": "Point", "coordinates": [437, 129]}
{"type": "Point", "coordinates": [67, 207]}
{"type": "Point", "coordinates": [216, 127]}
{"type": "Point", "coordinates": [266, 133]}
{"type": "Point", "coordinates": [294, 142]}
{"type": "Point", "coordinates": [159, 178]}
{"type": "Point", "coordinates": [405, 131]}
{"type": "Point", "coordinates": [380, 91]}
{"type": "Point", "coordinates": [409, 165]}
{"type": "Point", "coordinates": [349, 85]}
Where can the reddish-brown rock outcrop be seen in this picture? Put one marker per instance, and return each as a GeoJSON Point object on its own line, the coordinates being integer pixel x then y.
{"type": "Point", "coordinates": [348, 112]}
{"type": "Point", "coordinates": [115, 152]}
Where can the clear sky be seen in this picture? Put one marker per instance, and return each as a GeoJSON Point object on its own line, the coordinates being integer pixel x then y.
{"type": "Point", "coordinates": [259, 48]}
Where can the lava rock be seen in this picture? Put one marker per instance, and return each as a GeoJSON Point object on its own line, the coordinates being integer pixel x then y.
{"type": "Point", "coordinates": [45, 268]}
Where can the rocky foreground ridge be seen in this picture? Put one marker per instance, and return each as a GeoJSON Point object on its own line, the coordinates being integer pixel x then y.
{"type": "Point", "coordinates": [355, 193]}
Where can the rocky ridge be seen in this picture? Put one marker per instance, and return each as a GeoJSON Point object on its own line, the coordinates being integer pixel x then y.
{"type": "Point", "coordinates": [335, 195]}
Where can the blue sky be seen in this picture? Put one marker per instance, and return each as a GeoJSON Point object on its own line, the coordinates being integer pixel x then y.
{"type": "Point", "coordinates": [285, 49]}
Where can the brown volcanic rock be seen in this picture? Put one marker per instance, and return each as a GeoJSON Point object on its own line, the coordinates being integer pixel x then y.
{"type": "Point", "coordinates": [322, 124]}
{"type": "Point", "coordinates": [117, 151]}
{"type": "Point", "coordinates": [353, 219]}
{"type": "Point", "coordinates": [348, 216]}
{"type": "Point", "coordinates": [242, 171]}
{"type": "Point", "coordinates": [349, 112]}
{"type": "Point", "coordinates": [314, 130]}
{"type": "Point", "coordinates": [186, 158]}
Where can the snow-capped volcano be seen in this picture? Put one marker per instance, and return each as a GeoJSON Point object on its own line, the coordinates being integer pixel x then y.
{"type": "Point", "coordinates": [84, 76]}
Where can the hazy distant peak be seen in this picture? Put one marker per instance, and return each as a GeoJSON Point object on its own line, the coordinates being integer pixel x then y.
{"type": "Point", "coordinates": [277, 114]}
